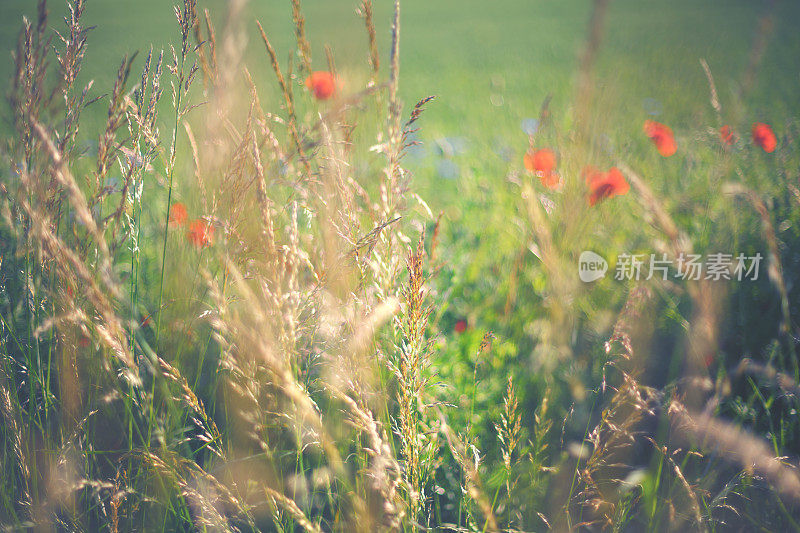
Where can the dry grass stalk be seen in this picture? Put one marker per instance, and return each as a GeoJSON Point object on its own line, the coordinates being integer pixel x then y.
{"type": "Point", "coordinates": [712, 87]}
{"type": "Point", "coordinates": [69, 60]}
{"type": "Point", "coordinates": [774, 265]}
{"type": "Point", "coordinates": [394, 143]}
{"type": "Point", "coordinates": [785, 382]}
{"type": "Point", "coordinates": [365, 11]}
{"type": "Point", "coordinates": [288, 99]}
{"type": "Point", "coordinates": [509, 431]}
{"type": "Point", "coordinates": [276, 286]}
{"type": "Point", "coordinates": [693, 500]}
{"type": "Point", "coordinates": [750, 452]}
{"type": "Point", "coordinates": [303, 46]}
{"type": "Point", "coordinates": [586, 69]}
{"type": "Point", "coordinates": [612, 440]}
{"type": "Point", "coordinates": [13, 431]}
{"type": "Point", "coordinates": [72, 267]}
{"type": "Point", "coordinates": [473, 479]}
{"type": "Point", "coordinates": [414, 359]}
{"type": "Point", "coordinates": [702, 338]}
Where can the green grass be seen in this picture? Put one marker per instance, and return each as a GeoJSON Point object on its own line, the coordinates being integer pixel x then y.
{"type": "Point", "coordinates": [466, 52]}
{"type": "Point", "coordinates": [491, 65]}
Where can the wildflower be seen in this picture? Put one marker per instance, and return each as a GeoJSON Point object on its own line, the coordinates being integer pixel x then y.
{"type": "Point", "coordinates": [543, 160]}
{"type": "Point", "coordinates": [662, 137]}
{"type": "Point", "coordinates": [177, 214]}
{"type": "Point", "coordinates": [461, 326]}
{"type": "Point", "coordinates": [551, 180]}
{"type": "Point", "coordinates": [322, 84]}
{"type": "Point", "coordinates": [542, 163]}
{"type": "Point", "coordinates": [201, 233]}
{"type": "Point", "coordinates": [604, 185]}
{"type": "Point", "coordinates": [727, 135]}
{"type": "Point", "coordinates": [764, 137]}
{"type": "Point", "coordinates": [530, 126]}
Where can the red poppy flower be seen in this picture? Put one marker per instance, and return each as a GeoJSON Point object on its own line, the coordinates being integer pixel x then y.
{"type": "Point", "coordinates": [461, 326]}
{"type": "Point", "coordinates": [727, 135]}
{"type": "Point", "coordinates": [201, 233]}
{"type": "Point", "coordinates": [322, 84]}
{"type": "Point", "coordinates": [764, 137]}
{"type": "Point", "coordinates": [604, 185]}
{"type": "Point", "coordinates": [542, 163]}
{"type": "Point", "coordinates": [551, 180]}
{"type": "Point", "coordinates": [543, 160]}
{"type": "Point", "coordinates": [177, 214]}
{"type": "Point", "coordinates": [662, 137]}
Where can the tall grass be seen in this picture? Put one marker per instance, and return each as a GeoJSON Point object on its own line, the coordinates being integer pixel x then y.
{"type": "Point", "coordinates": [230, 317]}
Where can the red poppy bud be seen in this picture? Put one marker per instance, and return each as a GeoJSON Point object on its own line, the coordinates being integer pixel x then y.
{"type": "Point", "coordinates": [542, 163]}
{"type": "Point", "coordinates": [662, 137]}
{"type": "Point", "coordinates": [764, 137]}
{"type": "Point", "coordinates": [727, 135]}
{"type": "Point", "coordinates": [201, 233]}
{"type": "Point", "coordinates": [321, 84]}
{"type": "Point", "coordinates": [177, 214]}
{"type": "Point", "coordinates": [604, 185]}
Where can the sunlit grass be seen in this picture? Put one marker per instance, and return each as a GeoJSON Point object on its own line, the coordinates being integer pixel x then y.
{"type": "Point", "coordinates": [246, 293]}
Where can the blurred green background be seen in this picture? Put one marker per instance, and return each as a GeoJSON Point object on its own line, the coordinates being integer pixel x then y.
{"type": "Point", "coordinates": [490, 63]}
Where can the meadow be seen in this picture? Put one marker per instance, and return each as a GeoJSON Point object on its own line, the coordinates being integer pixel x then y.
{"type": "Point", "coordinates": [318, 266]}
